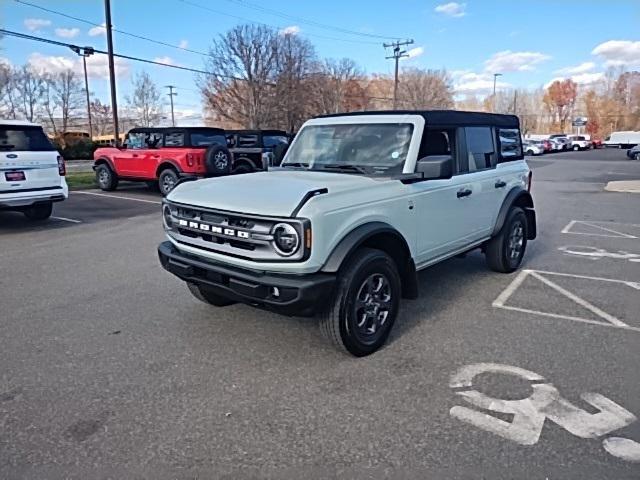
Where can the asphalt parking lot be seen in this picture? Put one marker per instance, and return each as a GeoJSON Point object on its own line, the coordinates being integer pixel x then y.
{"type": "Point", "coordinates": [109, 368]}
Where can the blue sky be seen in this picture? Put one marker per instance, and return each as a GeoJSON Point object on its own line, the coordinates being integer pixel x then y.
{"type": "Point", "coordinates": [529, 42]}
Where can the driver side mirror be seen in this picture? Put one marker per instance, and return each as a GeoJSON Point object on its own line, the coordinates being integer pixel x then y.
{"type": "Point", "coordinates": [435, 167]}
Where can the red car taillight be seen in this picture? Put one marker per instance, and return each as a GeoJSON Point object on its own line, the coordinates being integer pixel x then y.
{"type": "Point", "coordinates": [190, 159]}
{"type": "Point", "coordinates": [62, 169]}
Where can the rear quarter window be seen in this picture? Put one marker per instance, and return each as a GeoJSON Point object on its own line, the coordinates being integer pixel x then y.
{"type": "Point", "coordinates": [510, 146]}
{"type": "Point", "coordinates": [24, 138]}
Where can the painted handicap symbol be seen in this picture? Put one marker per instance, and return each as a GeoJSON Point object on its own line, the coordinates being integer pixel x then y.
{"type": "Point", "coordinates": [545, 402]}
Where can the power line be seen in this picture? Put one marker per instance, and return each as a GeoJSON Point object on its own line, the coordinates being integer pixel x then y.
{"type": "Point", "coordinates": [119, 55]}
{"type": "Point", "coordinates": [308, 21]}
{"type": "Point", "coordinates": [133, 35]}
{"type": "Point", "coordinates": [244, 19]}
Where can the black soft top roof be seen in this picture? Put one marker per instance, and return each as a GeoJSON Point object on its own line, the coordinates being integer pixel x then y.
{"type": "Point", "coordinates": [176, 129]}
{"type": "Point", "coordinates": [445, 117]}
{"type": "Point", "coordinates": [258, 132]}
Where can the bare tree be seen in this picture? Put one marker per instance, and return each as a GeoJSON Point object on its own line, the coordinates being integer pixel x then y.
{"type": "Point", "coordinates": [101, 117]}
{"type": "Point", "coordinates": [7, 106]}
{"type": "Point", "coordinates": [239, 86]}
{"type": "Point", "coordinates": [337, 85]}
{"type": "Point", "coordinates": [29, 87]}
{"type": "Point", "coordinates": [295, 65]}
{"type": "Point", "coordinates": [145, 101]}
{"type": "Point", "coordinates": [428, 89]}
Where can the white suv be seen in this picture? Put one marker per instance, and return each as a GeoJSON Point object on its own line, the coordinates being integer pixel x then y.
{"type": "Point", "coordinates": [360, 203]}
{"type": "Point", "coordinates": [31, 170]}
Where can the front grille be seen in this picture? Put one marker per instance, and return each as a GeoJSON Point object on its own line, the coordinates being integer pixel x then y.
{"type": "Point", "coordinates": [225, 232]}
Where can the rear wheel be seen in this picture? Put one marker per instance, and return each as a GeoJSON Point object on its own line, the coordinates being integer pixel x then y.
{"type": "Point", "coordinates": [167, 180]}
{"type": "Point", "coordinates": [529, 152]}
{"type": "Point", "coordinates": [242, 168]}
{"type": "Point", "coordinates": [365, 303]}
{"type": "Point", "coordinates": [208, 296]}
{"type": "Point", "coordinates": [576, 148]}
{"type": "Point", "coordinates": [505, 251]}
{"type": "Point", "coordinates": [39, 211]}
{"type": "Point", "coordinates": [106, 178]}
{"type": "Point", "coordinates": [636, 156]}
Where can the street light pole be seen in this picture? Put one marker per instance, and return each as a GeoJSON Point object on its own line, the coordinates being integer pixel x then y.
{"type": "Point", "coordinates": [495, 77]}
{"type": "Point", "coordinates": [171, 95]}
{"type": "Point", "coordinates": [86, 88]}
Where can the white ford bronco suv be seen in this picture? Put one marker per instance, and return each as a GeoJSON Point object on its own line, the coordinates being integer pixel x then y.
{"type": "Point", "coordinates": [361, 202]}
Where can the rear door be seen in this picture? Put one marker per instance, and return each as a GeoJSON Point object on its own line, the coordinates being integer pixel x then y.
{"type": "Point", "coordinates": [28, 160]}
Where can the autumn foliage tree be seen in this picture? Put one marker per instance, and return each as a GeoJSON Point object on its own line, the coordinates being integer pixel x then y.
{"type": "Point", "coordinates": [561, 97]}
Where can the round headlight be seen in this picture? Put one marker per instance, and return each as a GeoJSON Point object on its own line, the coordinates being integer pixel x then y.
{"type": "Point", "coordinates": [285, 239]}
{"type": "Point", "coordinates": [166, 215]}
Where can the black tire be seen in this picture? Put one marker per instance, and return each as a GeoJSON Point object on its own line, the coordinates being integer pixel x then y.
{"type": "Point", "coordinates": [242, 168]}
{"type": "Point", "coordinates": [576, 148]}
{"type": "Point", "coordinates": [106, 178]}
{"type": "Point", "coordinates": [636, 156]}
{"type": "Point", "coordinates": [366, 284]}
{"type": "Point", "coordinates": [208, 296]}
{"type": "Point", "coordinates": [505, 251]}
{"type": "Point", "coordinates": [39, 211]}
{"type": "Point", "coordinates": [529, 153]}
{"type": "Point", "coordinates": [218, 160]}
{"type": "Point", "coordinates": [167, 181]}
{"type": "Point", "coordinates": [153, 185]}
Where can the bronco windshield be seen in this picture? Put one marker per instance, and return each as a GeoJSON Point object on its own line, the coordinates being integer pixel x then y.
{"type": "Point", "coordinates": [371, 148]}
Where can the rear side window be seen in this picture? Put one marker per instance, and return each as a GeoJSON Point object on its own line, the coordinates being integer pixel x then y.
{"type": "Point", "coordinates": [175, 139]}
{"type": "Point", "coordinates": [480, 148]}
{"type": "Point", "coordinates": [204, 139]}
{"type": "Point", "coordinates": [247, 141]}
{"type": "Point", "coordinates": [24, 138]}
{"type": "Point", "coordinates": [510, 148]}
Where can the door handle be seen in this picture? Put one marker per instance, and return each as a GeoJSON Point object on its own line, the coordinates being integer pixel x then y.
{"type": "Point", "coordinates": [464, 193]}
{"type": "Point", "coordinates": [134, 155]}
{"type": "Point", "coordinates": [500, 184]}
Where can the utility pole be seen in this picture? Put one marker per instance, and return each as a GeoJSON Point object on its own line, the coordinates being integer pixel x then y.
{"type": "Point", "coordinates": [112, 73]}
{"type": "Point", "coordinates": [171, 95]}
{"type": "Point", "coordinates": [515, 101]}
{"type": "Point", "coordinates": [398, 53]}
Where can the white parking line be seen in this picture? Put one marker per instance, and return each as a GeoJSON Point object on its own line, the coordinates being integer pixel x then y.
{"type": "Point", "coordinates": [611, 321]}
{"type": "Point", "coordinates": [65, 219]}
{"type": "Point", "coordinates": [120, 197]}
{"type": "Point", "coordinates": [599, 226]}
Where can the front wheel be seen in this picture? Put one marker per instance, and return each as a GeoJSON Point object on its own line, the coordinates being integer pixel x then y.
{"type": "Point", "coordinates": [636, 156]}
{"type": "Point", "coordinates": [167, 179]}
{"type": "Point", "coordinates": [505, 251]}
{"type": "Point", "coordinates": [208, 296]}
{"type": "Point", "coordinates": [576, 148]}
{"type": "Point", "coordinates": [365, 303]}
{"type": "Point", "coordinates": [106, 178]}
{"type": "Point", "coordinates": [39, 211]}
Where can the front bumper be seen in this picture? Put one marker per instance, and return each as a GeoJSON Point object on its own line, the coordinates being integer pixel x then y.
{"type": "Point", "coordinates": [301, 295]}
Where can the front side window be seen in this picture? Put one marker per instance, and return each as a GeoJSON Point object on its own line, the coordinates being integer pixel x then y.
{"type": "Point", "coordinates": [510, 148]}
{"type": "Point", "coordinates": [136, 140]}
{"type": "Point", "coordinates": [480, 149]}
{"type": "Point", "coordinates": [372, 148]}
{"type": "Point", "coordinates": [24, 138]}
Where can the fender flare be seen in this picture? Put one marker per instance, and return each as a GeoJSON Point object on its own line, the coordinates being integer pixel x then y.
{"type": "Point", "coordinates": [357, 237]}
{"type": "Point", "coordinates": [106, 160]}
{"type": "Point", "coordinates": [164, 162]}
{"type": "Point", "coordinates": [522, 198]}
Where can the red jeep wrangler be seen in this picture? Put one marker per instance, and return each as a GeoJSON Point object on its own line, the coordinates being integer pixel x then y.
{"type": "Point", "coordinates": [160, 156]}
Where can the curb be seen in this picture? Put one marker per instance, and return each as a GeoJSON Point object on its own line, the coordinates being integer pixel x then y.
{"type": "Point", "coordinates": [624, 186]}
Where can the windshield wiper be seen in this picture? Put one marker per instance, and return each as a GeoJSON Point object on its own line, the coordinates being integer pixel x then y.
{"type": "Point", "coordinates": [295, 165]}
{"type": "Point", "coordinates": [339, 166]}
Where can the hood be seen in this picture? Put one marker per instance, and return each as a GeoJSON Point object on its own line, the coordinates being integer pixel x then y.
{"type": "Point", "coordinates": [273, 193]}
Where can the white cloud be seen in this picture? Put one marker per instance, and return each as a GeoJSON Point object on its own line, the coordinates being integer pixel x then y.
{"type": "Point", "coordinates": [508, 61]}
{"type": "Point", "coordinates": [183, 43]}
{"type": "Point", "coordinates": [96, 31]}
{"type": "Point", "coordinates": [67, 32]}
{"type": "Point", "coordinates": [5, 61]}
{"type": "Point", "coordinates": [290, 30]}
{"type": "Point", "coordinates": [582, 79]}
{"type": "Point", "coordinates": [468, 82]}
{"type": "Point", "coordinates": [97, 65]}
{"type": "Point", "coordinates": [165, 60]}
{"type": "Point", "coordinates": [578, 69]}
{"type": "Point", "coordinates": [619, 53]}
{"type": "Point", "coordinates": [35, 24]}
{"type": "Point", "coordinates": [452, 9]}
{"type": "Point", "coordinates": [413, 53]}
